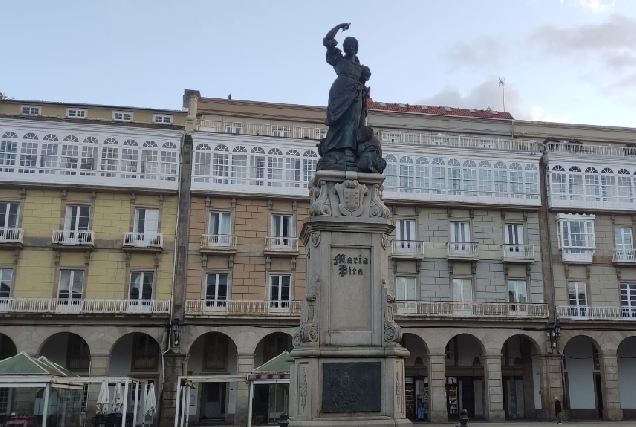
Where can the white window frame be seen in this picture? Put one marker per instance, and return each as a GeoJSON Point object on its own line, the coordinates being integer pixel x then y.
{"type": "Point", "coordinates": [622, 234]}
{"type": "Point", "coordinates": [462, 306]}
{"type": "Point", "coordinates": [406, 229]}
{"type": "Point", "coordinates": [68, 218]}
{"type": "Point", "coordinates": [517, 287]}
{"type": "Point", "coordinates": [120, 116]}
{"type": "Point", "coordinates": [406, 293]}
{"type": "Point", "coordinates": [162, 119]}
{"type": "Point", "coordinates": [33, 110]}
{"type": "Point", "coordinates": [578, 309]}
{"type": "Point", "coordinates": [10, 273]}
{"type": "Point", "coordinates": [514, 231]}
{"type": "Point", "coordinates": [282, 240]}
{"type": "Point", "coordinates": [279, 303]}
{"type": "Point", "coordinates": [146, 237]}
{"type": "Point", "coordinates": [215, 302]}
{"type": "Point", "coordinates": [141, 304]}
{"type": "Point", "coordinates": [628, 304]}
{"type": "Point", "coordinates": [564, 225]}
{"type": "Point", "coordinates": [69, 303]}
{"type": "Point", "coordinates": [76, 113]}
{"type": "Point", "coordinates": [6, 223]}
{"type": "Point", "coordinates": [223, 239]}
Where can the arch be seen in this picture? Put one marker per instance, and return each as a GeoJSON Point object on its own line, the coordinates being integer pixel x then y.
{"type": "Point", "coordinates": [71, 138]}
{"type": "Point", "coordinates": [582, 359]}
{"type": "Point", "coordinates": [626, 360]}
{"type": "Point", "coordinates": [152, 144]}
{"type": "Point", "coordinates": [239, 149]}
{"type": "Point", "coordinates": [221, 147]}
{"type": "Point", "coordinates": [270, 346]}
{"type": "Point", "coordinates": [213, 352]}
{"type": "Point", "coordinates": [468, 339]}
{"type": "Point", "coordinates": [7, 347]}
{"type": "Point", "coordinates": [169, 145]}
{"type": "Point", "coordinates": [9, 135]}
{"type": "Point", "coordinates": [67, 349]}
{"type": "Point", "coordinates": [31, 135]}
{"type": "Point", "coordinates": [131, 143]}
{"type": "Point", "coordinates": [293, 153]}
{"type": "Point", "coordinates": [111, 141]}
{"type": "Point", "coordinates": [135, 352]}
{"type": "Point", "coordinates": [520, 380]}
{"type": "Point", "coordinates": [310, 153]}
{"type": "Point", "coordinates": [90, 140]}
{"type": "Point", "coordinates": [418, 354]}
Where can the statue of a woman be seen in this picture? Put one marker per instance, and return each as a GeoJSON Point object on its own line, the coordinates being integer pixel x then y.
{"type": "Point", "coordinates": [347, 105]}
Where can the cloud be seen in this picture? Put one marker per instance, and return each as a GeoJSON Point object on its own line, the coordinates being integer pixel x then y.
{"type": "Point", "coordinates": [481, 51]}
{"type": "Point", "coordinates": [480, 97]}
{"type": "Point", "coordinates": [593, 6]}
{"type": "Point", "coordinates": [539, 114]}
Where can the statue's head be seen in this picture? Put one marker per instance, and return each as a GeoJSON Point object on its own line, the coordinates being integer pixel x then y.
{"type": "Point", "coordinates": [350, 46]}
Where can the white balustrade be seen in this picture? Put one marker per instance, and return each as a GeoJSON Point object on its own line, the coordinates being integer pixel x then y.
{"type": "Point", "coordinates": [518, 252]}
{"type": "Point", "coordinates": [596, 312]}
{"type": "Point", "coordinates": [143, 240]}
{"type": "Point", "coordinates": [262, 129]}
{"type": "Point", "coordinates": [242, 308]}
{"type": "Point", "coordinates": [390, 136]}
{"type": "Point", "coordinates": [463, 250]}
{"type": "Point", "coordinates": [83, 306]}
{"type": "Point", "coordinates": [471, 309]}
{"type": "Point", "coordinates": [74, 237]}
{"type": "Point", "coordinates": [578, 255]}
{"type": "Point", "coordinates": [281, 244]}
{"type": "Point", "coordinates": [218, 241]}
{"type": "Point", "coordinates": [624, 255]}
{"type": "Point", "coordinates": [613, 150]}
{"type": "Point", "coordinates": [11, 235]}
{"type": "Point", "coordinates": [407, 248]}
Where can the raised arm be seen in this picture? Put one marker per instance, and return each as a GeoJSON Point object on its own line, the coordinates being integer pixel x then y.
{"type": "Point", "coordinates": [332, 33]}
{"type": "Point", "coordinates": [333, 53]}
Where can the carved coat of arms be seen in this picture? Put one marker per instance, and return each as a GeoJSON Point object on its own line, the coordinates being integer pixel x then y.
{"type": "Point", "coordinates": [351, 194]}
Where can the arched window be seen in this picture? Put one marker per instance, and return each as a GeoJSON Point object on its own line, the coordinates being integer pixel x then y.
{"type": "Point", "coordinates": [438, 173]}
{"type": "Point", "coordinates": [592, 187]}
{"type": "Point", "coordinates": [310, 161]}
{"type": "Point", "coordinates": [608, 185]}
{"type": "Point", "coordinates": [49, 137]}
{"type": "Point", "coordinates": [422, 175]}
{"type": "Point", "coordinates": [516, 180]}
{"type": "Point", "coordinates": [274, 167]}
{"type": "Point", "coordinates": [71, 138]}
{"type": "Point", "coordinates": [168, 161]}
{"type": "Point", "coordinates": [148, 144]}
{"type": "Point", "coordinates": [149, 164]}
{"type": "Point", "coordinates": [293, 168]}
{"type": "Point", "coordinates": [406, 174]}
{"type": "Point", "coordinates": [202, 163]}
{"type": "Point", "coordinates": [391, 172]}
{"type": "Point", "coordinates": [485, 178]}
{"type": "Point", "coordinates": [129, 159]}
{"type": "Point", "coordinates": [70, 155]}
{"type": "Point", "coordinates": [29, 154]}
{"type": "Point", "coordinates": [532, 181]}
{"type": "Point", "coordinates": [131, 143]}
{"type": "Point", "coordinates": [89, 156]}
{"type": "Point", "coordinates": [239, 165]}
{"type": "Point", "coordinates": [110, 157]}
{"type": "Point", "coordinates": [501, 180]}
{"type": "Point", "coordinates": [8, 151]}
{"type": "Point", "coordinates": [454, 177]}
{"type": "Point", "coordinates": [111, 141]}
{"type": "Point", "coordinates": [559, 182]}
{"type": "Point", "coordinates": [257, 166]}
{"type": "Point", "coordinates": [220, 164]}
{"type": "Point", "coordinates": [625, 192]}
{"type": "Point", "coordinates": [470, 178]}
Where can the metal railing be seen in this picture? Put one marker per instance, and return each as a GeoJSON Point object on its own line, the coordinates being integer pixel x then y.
{"type": "Point", "coordinates": [624, 255]}
{"type": "Point", "coordinates": [262, 129]}
{"type": "Point", "coordinates": [465, 141]}
{"type": "Point", "coordinates": [587, 149]}
{"type": "Point", "coordinates": [520, 252]}
{"type": "Point", "coordinates": [73, 237]}
{"type": "Point", "coordinates": [471, 309]}
{"type": "Point", "coordinates": [407, 248]}
{"type": "Point", "coordinates": [583, 255]}
{"type": "Point", "coordinates": [143, 240]}
{"type": "Point", "coordinates": [218, 241]}
{"type": "Point", "coordinates": [463, 250]}
{"type": "Point", "coordinates": [11, 235]}
{"type": "Point", "coordinates": [282, 244]}
{"type": "Point", "coordinates": [596, 312]}
{"type": "Point", "coordinates": [83, 306]}
{"type": "Point", "coordinates": [242, 308]}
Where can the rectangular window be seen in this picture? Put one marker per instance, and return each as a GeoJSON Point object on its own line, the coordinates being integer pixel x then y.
{"type": "Point", "coordinates": [281, 131]}
{"type": "Point", "coordinates": [279, 290]}
{"type": "Point", "coordinates": [6, 282]}
{"type": "Point", "coordinates": [122, 116]}
{"type": "Point", "coordinates": [460, 232]}
{"type": "Point", "coordinates": [216, 289]}
{"type": "Point", "coordinates": [293, 172]}
{"type": "Point", "coordinates": [577, 235]}
{"type": "Point", "coordinates": [220, 223]}
{"type": "Point", "coordinates": [146, 226]}
{"type": "Point", "coordinates": [628, 299]}
{"type": "Point", "coordinates": [282, 229]}
{"type": "Point", "coordinates": [624, 243]}
{"type": "Point", "coordinates": [77, 218]}
{"type": "Point", "coordinates": [145, 353]}
{"type": "Point", "coordinates": [239, 169]}
{"type": "Point", "coordinates": [236, 128]}
{"type": "Point", "coordinates": [9, 214]}
{"type": "Point", "coordinates": [70, 290]}
{"type": "Point", "coordinates": [162, 119]}
{"type": "Point", "coordinates": [517, 291]}
{"type": "Point", "coordinates": [76, 113]}
{"type": "Point", "coordinates": [463, 290]}
{"type": "Point", "coordinates": [29, 110]}
{"type": "Point", "coordinates": [513, 238]}
{"type": "Point", "coordinates": [422, 176]}
{"type": "Point", "coordinates": [141, 283]}
{"type": "Point", "coordinates": [577, 296]}
{"type": "Point", "coordinates": [406, 176]}
{"type": "Point", "coordinates": [215, 352]}
{"type": "Point", "coordinates": [405, 230]}
{"type": "Point", "coordinates": [406, 288]}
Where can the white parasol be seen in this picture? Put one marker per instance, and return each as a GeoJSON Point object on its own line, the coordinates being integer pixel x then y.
{"type": "Point", "coordinates": [118, 400]}
{"type": "Point", "coordinates": [103, 399]}
{"type": "Point", "coordinates": [150, 402]}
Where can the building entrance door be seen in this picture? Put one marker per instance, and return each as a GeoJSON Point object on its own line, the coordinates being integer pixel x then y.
{"type": "Point", "coordinates": [213, 401]}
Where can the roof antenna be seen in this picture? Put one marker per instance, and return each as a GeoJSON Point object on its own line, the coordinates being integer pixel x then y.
{"type": "Point", "coordinates": [229, 96]}
{"type": "Point", "coordinates": [502, 84]}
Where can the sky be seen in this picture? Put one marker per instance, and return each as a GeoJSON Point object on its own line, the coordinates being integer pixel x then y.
{"type": "Point", "coordinates": [571, 61]}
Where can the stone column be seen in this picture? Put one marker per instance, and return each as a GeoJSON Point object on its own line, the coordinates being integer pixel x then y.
{"type": "Point", "coordinates": [551, 385]}
{"type": "Point", "coordinates": [494, 388]}
{"type": "Point", "coordinates": [609, 380]}
{"type": "Point", "coordinates": [173, 368]}
{"type": "Point", "coordinates": [437, 388]}
{"type": "Point", "coordinates": [100, 364]}
{"type": "Point", "coordinates": [245, 367]}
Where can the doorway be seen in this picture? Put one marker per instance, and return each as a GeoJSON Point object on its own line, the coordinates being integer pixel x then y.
{"type": "Point", "coordinates": [598, 388]}
{"type": "Point", "coordinates": [213, 401]}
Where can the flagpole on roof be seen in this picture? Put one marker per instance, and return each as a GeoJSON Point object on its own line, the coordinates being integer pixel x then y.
{"type": "Point", "coordinates": [502, 84]}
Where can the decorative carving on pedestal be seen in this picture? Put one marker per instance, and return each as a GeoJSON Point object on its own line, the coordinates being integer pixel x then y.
{"type": "Point", "coordinates": [392, 331]}
{"type": "Point", "coordinates": [303, 387]}
{"type": "Point", "coordinates": [385, 241]}
{"type": "Point", "coordinates": [315, 239]}
{"type": "Point", "coordinates": [320, 204]}
{"type": "Point", "coordinates": [377, 208]}
{"type": "Point", "coordinates": [399, 389]}
{"type": "Point", "coordinates": [308, 332]}
{"type": "Point", "coordinates": [350, 194]}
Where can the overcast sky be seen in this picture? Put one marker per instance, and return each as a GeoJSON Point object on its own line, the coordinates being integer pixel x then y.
{"type": "Point", "coordinates": [563, 60]}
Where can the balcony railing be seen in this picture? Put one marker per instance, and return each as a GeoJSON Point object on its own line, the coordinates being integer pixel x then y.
{"type": "Point", "coordinates": [143, 240]}
{"type": "Point", "coordinates": [83, 306]}
{"type": "Point", "coordinates": [465, 141]}
{"type": "Point", "coordinates": [624, 255]}
{"type": "Point", "coordinates": [463, 250]}
{"type": "Point", "coordinates": [218, 241]}
{"type": "Point", "coordinates": [578, 255]}
{"type": "Point", "coordinates": [472, 309]}
{"type": "Point", "coordinates": [262, 129]}
{"type": "Point", "coordinates": [407, 249]}
{"type": "Point", "coordinates": [518, 252]}
{"type": "Point", "coordinates": [242, 308]}
{"type": "Point", "coordinates": [73, 237]}
{"type": "Point", "coordinates": [613, 150]}
{"type": "Point", "coordinates": [596, 312]}
{"type": "Point", "coordinates": [11, 235]}
{"type": "Point", "coordinates": [78, 362]}
{"type": "Point", "coordinates": [281, 244]}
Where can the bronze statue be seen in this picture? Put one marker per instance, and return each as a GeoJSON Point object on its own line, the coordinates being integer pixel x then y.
{"type": "Point", "coordinates": [349, 144]}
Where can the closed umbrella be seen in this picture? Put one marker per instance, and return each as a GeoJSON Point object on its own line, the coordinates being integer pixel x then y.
{"type": "Point", "coordinates": [150, 402]}
{"type": "Point", "coordinates": [102, 399]}
{"type": "Point", "coordinates": [118, 400]}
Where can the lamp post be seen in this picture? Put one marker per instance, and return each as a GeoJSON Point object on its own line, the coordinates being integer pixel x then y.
{"type": "Point", "coordinates": [175, 332]}
{"type": "Point", "coordinates": [554, 334]}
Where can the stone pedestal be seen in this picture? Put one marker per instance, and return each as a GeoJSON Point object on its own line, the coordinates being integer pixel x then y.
{"type": "Point", "coordinates": [348, 365]}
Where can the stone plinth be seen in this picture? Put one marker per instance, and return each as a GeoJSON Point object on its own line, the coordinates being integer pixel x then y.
{"type": "Point", "coordinates": [348, 364]}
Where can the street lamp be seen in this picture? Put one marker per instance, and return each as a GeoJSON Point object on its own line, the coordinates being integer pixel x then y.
{"type": "Point", "coordinates": [175, 331]}
{"type": "Point", "coordinates": [554, 333]}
